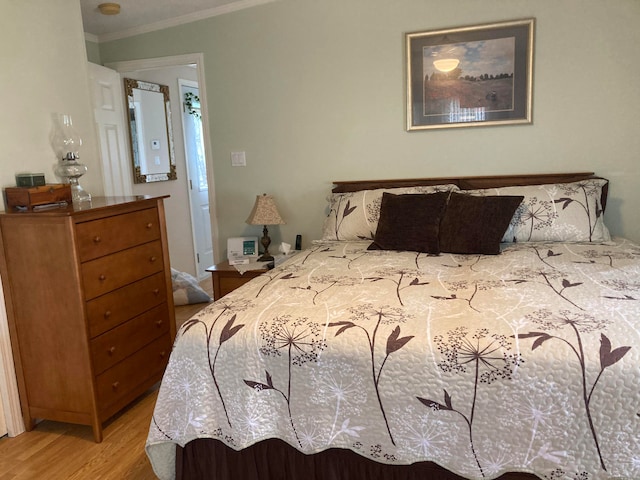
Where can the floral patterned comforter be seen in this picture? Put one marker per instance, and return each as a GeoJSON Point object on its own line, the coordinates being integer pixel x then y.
{"type": "Point", "coordinates": [525, 361]}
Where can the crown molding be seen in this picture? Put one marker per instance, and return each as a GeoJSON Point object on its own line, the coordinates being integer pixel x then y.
{"type": "Point", "coordinates": [90, 37]}
{"type": "Point", "coordinates": [174, 22]}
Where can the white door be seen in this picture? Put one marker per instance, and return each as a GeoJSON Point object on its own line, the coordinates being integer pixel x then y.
{"type": "Point", "coordinates": [108, 107]}
{"type": "Point", "coordinates": [197, 175]}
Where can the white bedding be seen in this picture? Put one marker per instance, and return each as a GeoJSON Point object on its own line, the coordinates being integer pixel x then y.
{"type": "Point", "coordinates": [524, 361]}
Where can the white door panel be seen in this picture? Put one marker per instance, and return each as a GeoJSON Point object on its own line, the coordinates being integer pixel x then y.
{"type": "Point", "coordinates": [108, 105]}
{"type": "Point", "coordinates": [197, 173]}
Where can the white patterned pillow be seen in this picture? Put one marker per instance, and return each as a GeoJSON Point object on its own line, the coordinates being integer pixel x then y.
{"type": "Point", "coordinates": [559, 212]}
{"type": "Point", "coordinates": [355, 215]}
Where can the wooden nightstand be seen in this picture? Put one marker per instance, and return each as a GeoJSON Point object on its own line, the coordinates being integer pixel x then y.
{"type": "Point", "coordinates": [226, 278]}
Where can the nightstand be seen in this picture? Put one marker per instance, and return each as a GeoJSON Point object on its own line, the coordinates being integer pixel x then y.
{"type": "Point", "coordinates": [226, 278]}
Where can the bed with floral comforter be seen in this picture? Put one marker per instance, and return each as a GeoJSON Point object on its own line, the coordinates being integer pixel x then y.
{"type": "Point", "coordinates": [526, 361]}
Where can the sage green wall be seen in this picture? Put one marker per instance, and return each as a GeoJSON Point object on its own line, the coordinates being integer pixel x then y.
{"type": "Point", "coordinates": [93, 52]}
{"type": "Point", "coordinates": [313, 91]}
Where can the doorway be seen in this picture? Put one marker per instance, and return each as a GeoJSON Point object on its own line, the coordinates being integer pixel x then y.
{"type": "Point", "coordinates": [194, 254]}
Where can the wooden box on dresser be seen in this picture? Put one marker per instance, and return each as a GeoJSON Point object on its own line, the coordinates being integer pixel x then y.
{"type": "Point", "coordinates": [90, 306]}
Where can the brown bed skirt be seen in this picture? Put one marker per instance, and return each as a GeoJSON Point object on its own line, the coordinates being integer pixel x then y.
{"type": "Point", "coordinates": [209, 459]}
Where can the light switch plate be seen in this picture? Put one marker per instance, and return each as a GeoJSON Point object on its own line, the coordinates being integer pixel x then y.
{"type": "Point", "coordinates": [238, 159]}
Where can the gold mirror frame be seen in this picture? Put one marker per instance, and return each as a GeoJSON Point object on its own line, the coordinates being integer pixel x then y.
{"type": "Point", "coordinates": [164, 142]}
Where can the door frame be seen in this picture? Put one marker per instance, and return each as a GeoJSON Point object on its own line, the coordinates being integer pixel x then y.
{"type": "Point", "coordinates": [196, 59]}
{"type": "Point", "coordinates": [9, 396]}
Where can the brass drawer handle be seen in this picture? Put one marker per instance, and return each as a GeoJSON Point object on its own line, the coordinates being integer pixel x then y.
{"type": "Point", "coordinates": [115, 385]}
{"type": "Point", "coordinates": [97, 239]}
{"type": "Point", "coordinates": [111, 351]}
{"type": "Point", "coordinates": [102, 277]}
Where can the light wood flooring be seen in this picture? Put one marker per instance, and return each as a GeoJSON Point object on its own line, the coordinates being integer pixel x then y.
{"type": "Point", "coordinates": [54, 450]}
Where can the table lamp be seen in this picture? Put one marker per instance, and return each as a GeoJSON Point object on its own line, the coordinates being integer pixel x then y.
{"type": "Point", "coordinates": [265, 213]}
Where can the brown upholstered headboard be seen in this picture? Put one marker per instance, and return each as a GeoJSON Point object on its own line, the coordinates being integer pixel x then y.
{"type": "Point", "coordinates": [470, 183]}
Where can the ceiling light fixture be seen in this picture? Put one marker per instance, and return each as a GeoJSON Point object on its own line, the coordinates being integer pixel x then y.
{"type": "Point", "coordinates": [109, 8]}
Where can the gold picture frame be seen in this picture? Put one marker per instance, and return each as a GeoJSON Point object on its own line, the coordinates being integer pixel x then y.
{"type": "Point", "coordinates": [470, 76]}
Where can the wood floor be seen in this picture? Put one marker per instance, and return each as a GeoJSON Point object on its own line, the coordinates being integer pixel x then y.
{"type": "Point", "coordinates": [55, 450]}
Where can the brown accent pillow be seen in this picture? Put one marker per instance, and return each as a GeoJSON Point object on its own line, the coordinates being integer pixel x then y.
{"type": "Point", "coordinates": [410, 222]}
{"type": "Point", "coordinates": [473, 224]}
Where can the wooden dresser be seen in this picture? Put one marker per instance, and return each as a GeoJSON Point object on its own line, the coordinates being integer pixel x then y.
{"type": "Point", "coordinates": [90, 306]}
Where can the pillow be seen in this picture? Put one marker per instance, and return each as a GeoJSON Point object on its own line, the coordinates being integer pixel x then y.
{"type": "Point", "coordinates": [186, 289]}
{"type": "Point", "coordinates": [476, 224]}
{"type": "Point", "coordinates": [559, 212]}
{"type": "Point", "coordinates": [354, 215]}
{"type": "Point", "coordinates": [410, 222]}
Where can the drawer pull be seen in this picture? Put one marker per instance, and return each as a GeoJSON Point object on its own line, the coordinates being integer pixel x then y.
{"type": "Point", "coordinates": [97, 239]}
{"type": "Point", "coordinates": [153, 258]}
{"type": "Point", "coordinates": [156, 291]}
{"type": "Point", "coordinates": [102, 277]}
{"type": "Point", "coordinates": [149, 225]}
{"type": "Point", "coordinates": [107, 314]}
{"type": "Point", "coordinates": [163, 354]}
{"type": "Point", "coordinates": [159, 323]}
{"type": "Point", "coordinates": [112, 350]}
{"type": "Point", "coordinates": [115, 385]}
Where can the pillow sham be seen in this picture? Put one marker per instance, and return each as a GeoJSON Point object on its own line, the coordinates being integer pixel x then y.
{"type": "Point", "coordinates": [559, 212]}
{"type": "Point", "coordinates": [476, 224]}
{"type": "Point", "coordinates": [410, 222]}
{"type": "Point", "coordinates": [354, 215]}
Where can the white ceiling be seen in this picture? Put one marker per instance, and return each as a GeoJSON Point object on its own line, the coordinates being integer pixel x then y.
{"type": "Point", "coordinates": [140, 16]}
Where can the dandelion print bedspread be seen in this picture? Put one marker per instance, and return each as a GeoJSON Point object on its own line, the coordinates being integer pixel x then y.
{"type": "Point", "coordinates": [525, 361]}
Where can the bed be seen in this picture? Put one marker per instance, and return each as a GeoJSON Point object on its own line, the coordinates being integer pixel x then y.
{"type": "Point", "coordinates": [476, 328]}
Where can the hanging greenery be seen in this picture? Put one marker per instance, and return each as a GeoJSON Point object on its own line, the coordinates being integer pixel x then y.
{"type": "Point", "coordinates": [189, 99]}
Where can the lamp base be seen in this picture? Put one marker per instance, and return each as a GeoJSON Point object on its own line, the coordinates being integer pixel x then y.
{"type": "Point", "coordinates": [266, 241]}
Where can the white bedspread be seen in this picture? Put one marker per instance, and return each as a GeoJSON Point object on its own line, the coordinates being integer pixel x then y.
{"type": "Point", "coordinates": [525, 361]}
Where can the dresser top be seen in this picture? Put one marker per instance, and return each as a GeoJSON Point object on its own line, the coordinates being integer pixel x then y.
{"type": "Point", "coordinates": [93, 207]}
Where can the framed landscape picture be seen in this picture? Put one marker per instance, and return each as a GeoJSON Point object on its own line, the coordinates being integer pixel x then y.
{"type": "Point", "coordinates": [470, 76]}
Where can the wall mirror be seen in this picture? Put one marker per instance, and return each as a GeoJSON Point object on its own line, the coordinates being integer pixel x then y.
{"type": "Point", "coordinates": [150, 134]}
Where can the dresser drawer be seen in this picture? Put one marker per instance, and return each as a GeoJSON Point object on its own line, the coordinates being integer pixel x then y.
{"type": "Point", "coordinates": [105, 274]}
{"type": "Point", "coordinates": [112, 234]}
{"type": "Point", "coordinates": [117, 344]}
{"type": "Point", "coordinates": [117, 382]}
{"type": "Point", "coordinates": [114, 308]}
